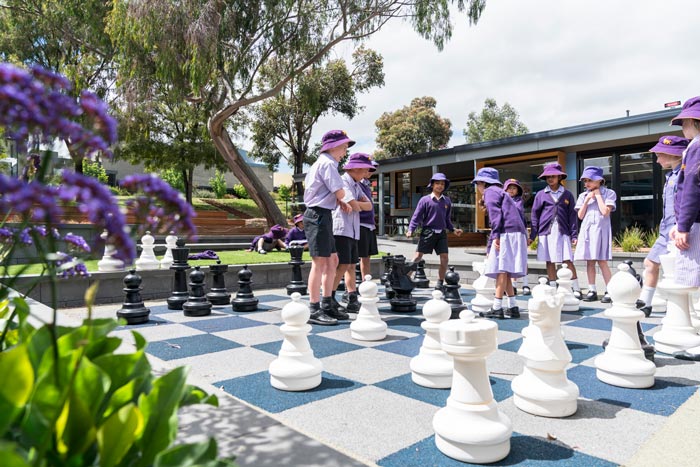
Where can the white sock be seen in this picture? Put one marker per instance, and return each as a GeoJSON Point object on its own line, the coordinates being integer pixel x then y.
{"type": "Point", "coordinates": [647, 294]}
{"type": "Point", "coordinates": [526, 283]}
{"type": "Point", "coordinates": [574, 284]}
{"type": "Point", "coordinates": [552, 283]}
{"type": "Point", "coordinates": [591, 287]}
{"type": "Point", "coordinates": [512, 302]}
{"type": "Point", "coordinates": [497, 303]}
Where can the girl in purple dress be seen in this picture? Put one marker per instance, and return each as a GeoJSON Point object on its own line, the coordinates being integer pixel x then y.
{"type": "Point", "coordinates": [507, 257]}
{"type": "Point", "coordinates": [515, 190]}
{"type": "Point", "coordinates": [595, 235]}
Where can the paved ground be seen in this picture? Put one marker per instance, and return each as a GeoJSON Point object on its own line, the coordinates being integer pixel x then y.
{"type": "Point", "coordinates": [368, 412]}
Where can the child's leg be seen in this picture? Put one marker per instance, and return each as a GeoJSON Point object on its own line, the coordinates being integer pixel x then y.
{"type": "Point", "coordinates": [259, 246]}
{"type": "Point", "coordinates": [551, 271]}
{"type": "Point", "coordinates": [318, 267]}
{"type": "Point", "coordinates": [330, 267]}
{"type": "Point", "coordinates": [365, 267]}
{"type": "Point", "coordinates": [605, 270]}
{"type": "Point", "coordinates": [340, 271]}
{"type": "Point", "coordinates": [502, 284]}
{"type": "Point", "coordinates": [590, 272]}
{"type": "Point", "coordinates": [350, 282]}
{"type": "Point", "coordinates": [444, 260]}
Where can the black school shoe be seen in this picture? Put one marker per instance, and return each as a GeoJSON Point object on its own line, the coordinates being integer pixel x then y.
{"type": "Point", "coordinates": [643, 306]}
{"type": "Point", "coordinates": [591, 296]}
{"type": "Point", "coordinates": [512, 312]}
{"type": "Point", "coordinates": [318, 316]}
{"type": "Point", "coordinates": [497, 314]}
{"type": "Point", "coordinates": [336, 310]}
{"type": "Point", "coordinates": [578, 295]}
{"type": "Point", "coordinates": [606, 298]}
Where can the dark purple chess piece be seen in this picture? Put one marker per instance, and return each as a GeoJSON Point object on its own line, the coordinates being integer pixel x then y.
{"type": "Point", "coordinates": [217, 294]}
{"type": "Point", "coordinates": [180, 266]}
{"type": "Point", "coordinates": [452, 295]}
{"type": "Point", "coordinates": [133, 309]}
{"type": "Point", "coordinates": [297, 283]}
{"type": "Point", "coordinates": [402, 285]}
{"type": "Point", "coordinates": [387, 260]}
{"type": "Point", "coordinates": [197, 303]}
{"type": "Point", "coordinates": [244, 299]}
{"type": "Point", "coordinates": [420, 279]}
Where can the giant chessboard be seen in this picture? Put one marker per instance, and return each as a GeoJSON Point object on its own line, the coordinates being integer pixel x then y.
{"type": "Point", "coordinates": [368, 406]}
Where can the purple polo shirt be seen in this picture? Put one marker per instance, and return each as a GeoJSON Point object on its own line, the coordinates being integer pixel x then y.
{"type": "Point", "coordinates": [504, 215]}
{"type": "Point", "coordinates": [295, 234]}
{"type": "Point", "coordinates": [432, 213]}
{"type": "Point", "coordinates": [367, 217]}
{"type": "Point", "coordinates": [347, 224]}
{"type": "Point", "coordinates": [321, 183]}
{"type": "Point", "coordinates": [686, 205]}
{"type": "Point", "coordinates": [545, 209]}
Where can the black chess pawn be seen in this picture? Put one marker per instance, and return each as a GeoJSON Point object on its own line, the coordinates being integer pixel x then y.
{"type": "Point", "coordinates": [244, 299]}
{"type": "Point", "coordinates": [420, 279]}
{"type": "Point", "coordinates": [402, 285]}
{"type": "Point", "coordinates": [452, 294]}
{"type": "Point", "coordinates": [297, 283]}
{"type": "Point", "coordinates": [358, 274]}
{"type": "Point", "coordinates": [133, 309]}
{"type": "Point", "coordinates": [388, 261]}
{"type": "Point", "coordinates": [197, 303]}
{"type": "Point", "coordinates": [180, 266]}
{"type": "Point", "coordinates": [217, 294]}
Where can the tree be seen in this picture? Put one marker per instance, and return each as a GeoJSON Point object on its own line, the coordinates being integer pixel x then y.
{"type": "Point", "coordinates": [493, 123]}
{"type": "Point", "coordinates": [211, 49]}
{"type": "Point", "coordinates": [65, 36]}
{"type": "Point", "coordinates": [413, 129]}
{"type": "Point", "coordinates": [283, 124]}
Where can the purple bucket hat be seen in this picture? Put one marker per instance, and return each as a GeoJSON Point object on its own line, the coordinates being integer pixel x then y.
{"type": "Point", "coordinates": [437, 177]}
{"type": "Point", "coordinates": [359, 160]}
{"type": "Point", "coordinates": [552, 168]}
{"type": "Point", "coordinates": [298, 218]}
{"type": "Point", "coordinates": [673, 145]}
{"type": "Point", "coordinates": [592, 173]}
{"type": "Point", "coordinates": [487, 175]}
{"type": "Point", "coordinates": [335, 138]}
{"type": "Point", "coordinates": [278, 231]}
{"type": "Point", "coordinates": [513, 182]}
{"type": "Point", "coordinates": [691, 109]}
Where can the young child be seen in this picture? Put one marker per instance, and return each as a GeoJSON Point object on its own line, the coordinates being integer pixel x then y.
{"type": "Point", "coordinates": [595, 235]}
{"type": "Point", "coordinates": [433, 213]}
{"type": "Point", "coordinates": [367, 247]}
{"type": "Point", "coordinates": [669, 151]}
{"type": "Point", "coordinates": [323, 192]}
{"type": "Point", "coordinates": [346, 229]}
{"type": "Point", "coordinates": [507, 257]}
{"type": "Point", "coordinates": [270, 240]}
{"type": "Point", "coordinates": [555, 224]}
{"type": "Point", "coordinates": [515, 190]}
{"type": "Point", "coordinates": [296, 234]}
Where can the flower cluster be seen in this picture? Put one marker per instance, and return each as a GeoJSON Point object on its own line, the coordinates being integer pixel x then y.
{"type": "Point", "coordinates": [68, 266]}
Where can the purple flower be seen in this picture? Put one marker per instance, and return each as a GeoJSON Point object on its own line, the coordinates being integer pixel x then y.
{"type": "Point", "coordinates": [68, 266]}
{"type": "Point", "coordinates": [77, 241]}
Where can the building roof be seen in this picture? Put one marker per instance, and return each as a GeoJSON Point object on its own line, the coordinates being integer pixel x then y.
{"type": "Point", "coordinates": [248, 160]}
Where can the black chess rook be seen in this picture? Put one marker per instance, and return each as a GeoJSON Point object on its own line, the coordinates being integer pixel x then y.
{"type": "Point", "coordinates": [217, 294]}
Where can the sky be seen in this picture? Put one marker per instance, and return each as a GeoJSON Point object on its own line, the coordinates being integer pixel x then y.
{"type": "Point", "coordinates": [557, 62]}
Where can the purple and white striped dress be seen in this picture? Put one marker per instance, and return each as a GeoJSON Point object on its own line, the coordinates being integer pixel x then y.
{"type": "Point", "coordinates": [688, 261]}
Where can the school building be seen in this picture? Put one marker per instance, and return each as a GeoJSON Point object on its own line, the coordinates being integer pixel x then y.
{"type": "Point", "coordinates": [620, 146]}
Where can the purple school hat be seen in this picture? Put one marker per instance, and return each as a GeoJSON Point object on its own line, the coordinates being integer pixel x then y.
{"type": "Point", "coordinates": [552, 168]}
{"type": "Point", "coordinates": [278, 231]}
{"type": "Point", "coordinates": [487, 175]}
{"type": "Point", "coordinates": [513, 182]}
{"type": "Point", "coordinates": [359, 160]}
{"type": "Point", "coordinates": [335, 138]}
{"type": "Point", "coordinates": [691, 109]}
{"type": "Point", "coordinates": [592, 173]}
{"type": "Point", "coordinates": [439, 177]}
{"type": "Point", "coordinates": [673, 145]}
{"type": "Point", "coordinates": [298, 218]}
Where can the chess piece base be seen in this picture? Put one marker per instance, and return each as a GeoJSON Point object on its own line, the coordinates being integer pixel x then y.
{"type": "Point", "coordinates": [625, 368]}
{"type": "Point", "coordinates": [176, 301]}
{"type": "Point", "coordinates": [367, 330]}
{"type": "Point", "coordinates": [246, 305]}
{"type": "Point", "coordinates": [138, 315]}
{"type": "Point", "coordinates": [432, 370]}
{"type": "Point", "coordinates": [299, 288]}
{"type": "Point", "coordinates": [547, 394]}
{"type": "Point", "coordinates": [196, 308]}
{"type": "Point", "coordinates": [300, 373]}
{"type": "Point", "coordinates": [672, 340]}
{"type": "Point", "coordinates": [219, 298]}
{"type": "Point", "coordinates": [422, 283]}
{"type": "Point", "coordinates": [481, 304]}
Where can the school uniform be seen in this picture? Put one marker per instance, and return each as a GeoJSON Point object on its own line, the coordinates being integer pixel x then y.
{"type": "Point", "coordinates": [346, 225]}
{"type": "Point", "coordinates": [269, 238]}
{"type": "Point", "coordinates": [554, 223]}
{"type": "Point", "coordinates": [687, 210]}
{"type": "Point", "coordinates": [295, 234]}
{"type": "Point", "coordinates": [660, 246]}
{"type": "Point", "coordinates": [595, 233]}
{"type": "Point", "coordinates": [434, 215]}
{"type": "Point", "coordinates": [508, 226]}
{"type": "Point", "coordinates": [321, 182]}
{"type": "Point", "coordinates": [367, 246]}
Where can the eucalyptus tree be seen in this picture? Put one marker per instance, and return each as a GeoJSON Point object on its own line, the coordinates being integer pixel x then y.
{"type": "Point", "coordinates": [217, 48]}
{"type": "Point", "coordinates": [493, 122]}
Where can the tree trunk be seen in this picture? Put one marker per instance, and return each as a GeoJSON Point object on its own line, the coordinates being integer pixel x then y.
{"type": "Point", "coordinates": [244, 173]}
{"type": "Point", "coordinates": [187, 176]}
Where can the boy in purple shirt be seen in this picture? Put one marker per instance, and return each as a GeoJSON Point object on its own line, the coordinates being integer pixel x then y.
{"type": "Point", "coordinates": [296, 234]}
{"type": "Point", "coordinates": [323, 192]}
{"type": "Point", "coordinates": [434, 213]}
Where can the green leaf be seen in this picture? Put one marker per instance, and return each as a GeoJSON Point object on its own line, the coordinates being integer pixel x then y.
{"type": "Point", "coordinates": [185, 455]}
{"type": "Point", "coordinates": [16, 388]}
{"type": "Point", "coordinates": [126, 394]}
{"type": "Point", "coordinates": [10, 457]}
{"type": "Point", "coordinates": [119, 432]}
{"type": "Point", "coordinates": [196, 395]}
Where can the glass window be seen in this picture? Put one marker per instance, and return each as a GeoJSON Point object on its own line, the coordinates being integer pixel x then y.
{"type": "Point", "coordinates": [463, 208]}
{"type": "Point", "coordinates": [636, 195]}
{"type": "Point", "coordinates": [403, 190]}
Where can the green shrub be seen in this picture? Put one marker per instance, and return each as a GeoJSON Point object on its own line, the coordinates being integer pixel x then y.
{"type": "Point", "coordinates": [533, 245]}
{"type": "Point", "coordinates": [95, 170]}
{"type": "Point", "coordinates": [284, 192]}
{"type": "Point", "coordinates": [651, 236]}
{"type": "Point", "coordinates": [631, 239]}
{"type": "Point", "coordinates": [240, 191]}
{"type": "Point", "coordinates": [173, 178]}
{"type": "Point", "coordinates": [203, 193]}
{"type": "Point", "coordinates": [218, 184]}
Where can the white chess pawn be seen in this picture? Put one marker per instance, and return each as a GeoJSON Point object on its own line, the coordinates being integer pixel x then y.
{"type": "Point", "coordinates": [109, 263]}
{"type": "Point", "coordinates": [623, 363]}
{"type": "Point", "coordinates": [694, 309]}
{"type": "Point", "coordinates": [564, 275]}
{"type": "Point", "coordinates": [485, 290]}
{"type": "Point", "coordinates": [677, 331]}
{"type": "Point", "coordinates": [170, 243]}
{"type": "Point", "coordinates": [368, 326]}
{"type": "Point", "coordinates": [432, 367]}
{"type": "Point", "coordinates": [470, 428]}
{"type": "Point", "coordinates": [543, 388]}
{"type": "Point", "coordinates": [148, 259]}
{"type": "Point", "coordinates": [296, 368]}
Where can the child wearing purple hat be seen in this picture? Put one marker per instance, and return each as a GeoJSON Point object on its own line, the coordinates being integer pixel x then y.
{"type": "Point", "coordinates": [269, 240]}
{"type": "Point", "coordinates": [367, 246]}
{"type": "Point", "coordinates": [296, 234]}
{"type": "Point", "coordinates": [507, 257]}
{"type": "Point", "coordinates": [555, 224]}
{"type": "Point", "coordinates": [595, 235]}
{"type": "Point", "coordinates": [434, 214]}
{"type": "Point", "coordinates": [669, 151]}
{"type": "Point", "coordinates": [515, 190]}
{"type": "Point", "coordinates": [324, 192]}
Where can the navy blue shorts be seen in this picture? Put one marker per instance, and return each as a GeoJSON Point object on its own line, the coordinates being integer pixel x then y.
{"type": "Point", "coordinates": [367, 246]}
{"type": "Point", "coordinates": [429, 241]}
{"type": "Point", "coordinates": [318, 225]}
{"type": "Point", "coordinates": [347, 250]}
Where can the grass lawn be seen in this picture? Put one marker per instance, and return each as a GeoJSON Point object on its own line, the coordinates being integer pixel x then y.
{"type": "Point", "coordinates": [233, 257]}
